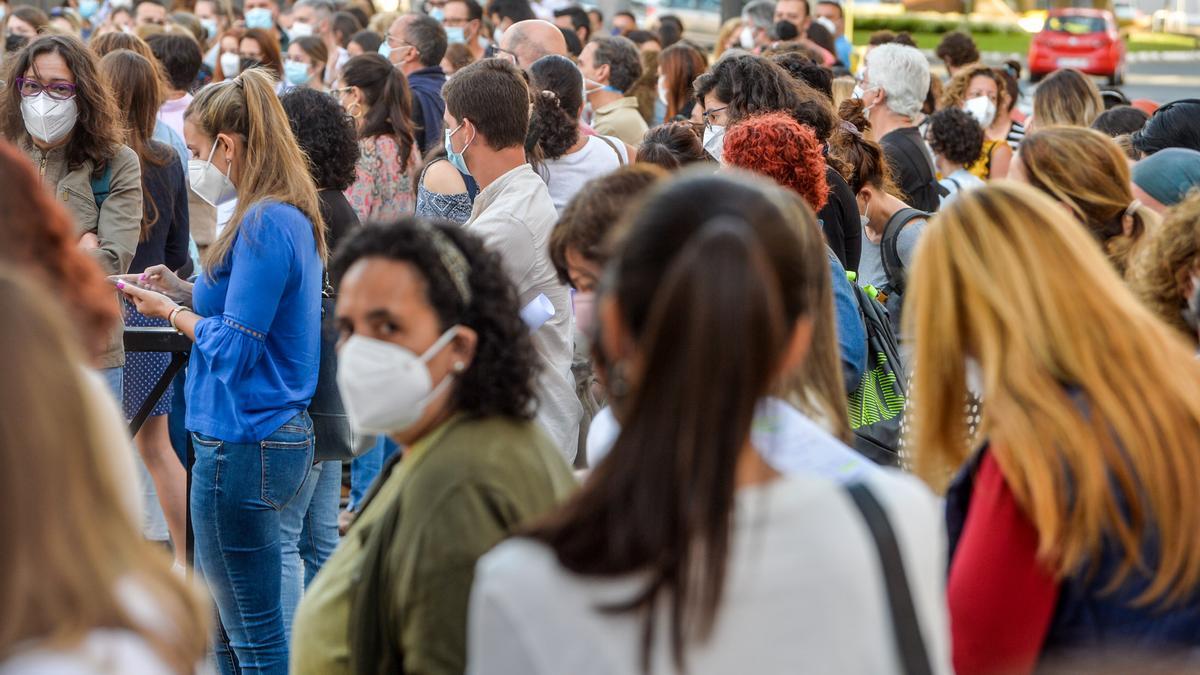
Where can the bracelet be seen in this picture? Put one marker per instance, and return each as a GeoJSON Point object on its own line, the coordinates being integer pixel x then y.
{"type": "Point", "coordinates": [175, 312]}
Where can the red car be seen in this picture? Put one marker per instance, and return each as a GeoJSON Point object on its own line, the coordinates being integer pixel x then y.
{"type": "Point", "coordinates": [1084, 39]}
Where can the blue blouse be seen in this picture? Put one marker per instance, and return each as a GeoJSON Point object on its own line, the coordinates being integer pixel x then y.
{"type": "Point", "coordinates": [254, 363]}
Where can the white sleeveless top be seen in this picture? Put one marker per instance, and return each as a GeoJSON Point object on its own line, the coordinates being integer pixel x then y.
{"type": "Point", "coordinates": [566, 175]}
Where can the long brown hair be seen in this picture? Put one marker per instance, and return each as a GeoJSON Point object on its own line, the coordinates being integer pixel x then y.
{"type": "Point", "coordinates": [105, 44]}
{"type": "Point", "coordinates": [1087, 172]}
{"type": "Point", "coordinates": [1162, 270]}
{"type": "Point", "coordinates": [219, 74]}
{"type": "Point", "coordinates": [681, 64]}
{"type": "Point", "coordinates": [267, 41]}
{"type": "Point", "coordinates": [36, 233]}
{"type": "Point", "coordinates": [62, 572]}
{"type": "Point", "coordinates": [388, 101]}
{"type": "Point", "coordinates": [273, 166]}
{"type": "Point", "coordinates": [1005, 276]}
{"type": "Point", "coordinates": [138, 84]}
{"type": "Point", "coordinates": [97, 135]}
{"type": "Point", "coordinates": [709, 280]}
{"type": "Point", "coordinates": [1066, 98]}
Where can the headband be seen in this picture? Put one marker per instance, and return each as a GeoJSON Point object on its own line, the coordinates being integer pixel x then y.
{"type": "Point", "coordinates": [453, 261]}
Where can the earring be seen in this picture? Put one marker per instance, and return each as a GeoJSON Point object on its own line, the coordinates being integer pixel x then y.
{"type": "Point", "coordinates": [459, 366]}
{"type": "Point", "coordinates": [355, 110]}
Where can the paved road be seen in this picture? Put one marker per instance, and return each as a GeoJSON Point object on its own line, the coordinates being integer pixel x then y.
{"type": "Point", "coordinates": [1159, 82]}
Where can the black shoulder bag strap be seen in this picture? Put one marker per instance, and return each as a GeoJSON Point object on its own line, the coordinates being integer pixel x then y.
{"type": "Point", "coordinates": [909, 643]}
{"type": "Point", "coordinates": [889, 249]}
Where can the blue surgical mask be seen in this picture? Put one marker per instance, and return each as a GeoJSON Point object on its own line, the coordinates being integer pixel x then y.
{"type": "Point", "coordinates": [86, 8]}
{"type": "Point", "coordinates": [457, 160]}
{"type": "Point", "coordinates": [259, 17]}
{"type": "Point", "coordinates": [437, 14]}
{"type": "Point", "coordinates": [456, 34]}
{"type": "Point", "coordinates": [385, 50]}
{"type": "Point", "coordinates": [210, 27]}
{"type": "Point", "coordinates": [296, 73]}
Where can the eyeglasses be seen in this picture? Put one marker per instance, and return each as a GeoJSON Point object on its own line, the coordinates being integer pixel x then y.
{"type": "Point", "coordinates": [709, 114]}
{"type": "Point", "coordinates": [495, 51]}
{"type": "Point", "coordinates": [340, 90]}
{"type": "Point", "coordinates": [59, 91]}
{"type": "Point", "coordinates": [399, 43]}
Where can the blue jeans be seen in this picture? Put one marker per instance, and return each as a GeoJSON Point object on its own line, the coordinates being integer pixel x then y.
{"type": "Point", "coordinates": [320, 535]}
{"type": "Point", "coordinates": [115, 379]}
{"type": "Point", "coordinates": [239, 500]}
{"type": "Point", "coordinates": [366, 467]}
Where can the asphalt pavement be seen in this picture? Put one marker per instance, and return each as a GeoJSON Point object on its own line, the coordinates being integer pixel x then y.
{"type": "Point", "coordinates": [1162, 82]}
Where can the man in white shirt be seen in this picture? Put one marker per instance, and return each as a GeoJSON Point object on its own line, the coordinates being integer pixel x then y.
{"type": "Point", "coordinates": [486, 120]}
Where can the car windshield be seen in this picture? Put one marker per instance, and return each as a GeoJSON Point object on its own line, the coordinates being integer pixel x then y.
{"type": "Point", "coordinates": [1075, 25]}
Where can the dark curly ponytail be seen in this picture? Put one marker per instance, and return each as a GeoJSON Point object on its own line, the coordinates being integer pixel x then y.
{"type": "Point", "coordinates": [557, 91]}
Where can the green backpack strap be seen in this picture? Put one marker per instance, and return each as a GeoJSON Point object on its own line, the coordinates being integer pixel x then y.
{"type": "Point", "coordinates": [103, 185]}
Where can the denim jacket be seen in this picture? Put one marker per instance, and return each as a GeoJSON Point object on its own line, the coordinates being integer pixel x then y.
{"type": "Point", "coordinates": [117, 222]}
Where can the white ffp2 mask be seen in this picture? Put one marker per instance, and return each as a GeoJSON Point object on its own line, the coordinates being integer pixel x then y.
{"type": "Point", "coordinates": [982, 109]}
{"type": "Point", "coordinates": [386, 387]}
{"type": "Point", "coordinates": [208, 182]}
{"type": "Point", "coordinates": [46, 119]}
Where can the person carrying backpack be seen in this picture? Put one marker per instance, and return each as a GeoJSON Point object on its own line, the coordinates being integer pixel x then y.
{"type": "Point", "coordinates": [891, 227]}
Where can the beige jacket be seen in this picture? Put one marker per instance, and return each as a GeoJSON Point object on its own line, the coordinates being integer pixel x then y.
{"type": "Point", "coordinates": [117, 222]}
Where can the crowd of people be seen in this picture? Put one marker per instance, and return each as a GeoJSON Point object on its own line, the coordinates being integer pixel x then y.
{"type": "Point", "coordinates": [529, 340]}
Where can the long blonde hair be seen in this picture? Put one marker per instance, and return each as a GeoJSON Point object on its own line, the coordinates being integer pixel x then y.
{"type": "Point", "coordinates": [1086, 171]}
{"type": "Point", "coordinates": [69, 550]}
{"type": "Point", "coordinates": [273, 166]}
{"type": "Point", "coordinates": [1067, 98]}
{"type": "Point", "coordinates": [1005, 276]}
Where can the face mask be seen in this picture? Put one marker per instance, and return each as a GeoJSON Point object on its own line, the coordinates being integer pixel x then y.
{"type": "Point", "coordinates": [86, 8]}
{"type": "Point", "coordinates": [456, 34]}
{"type": "Point", "coordinates": [746, 38]}
{"type": "Point", "coordinates": [231, 65]}
{"type": "Point", "coordinates": [46, 119]}
{"type": "Point", "coordinates": [385, 50]}
{"type": "Point", "coordinates": [259, 17]}
{"type": "Point", "coordinates": [974, 377]}
{"type": "Point", "coordinates": [208, 182]}
{"type": "Point", "coordinates": [300, 29]}
{"type": "Point", "coordinates": [437, 14]}
{"type": "Point", "coordinates": [14, 42]}
{"type": "Point", "coordinates": [864, 220]}
{"type": "Point", "coordinates": [858, 92]}
{"type": "Point", "coordinates": [456, 158]}
{"type": "Point", "coordinates": [3, 11]}
{"type": "Point", "coordinates": [498, 35]}
{"type": "Point", "coordinates": [210, 27]}
{"type": "Point", "coordinates": [296, 73]}
{"type": "Point", "coordinates": [982, 109]}
{"type": "Point", "coordinates": [386, 387]}
{"type": "Point", "coordinates": [247, 64]}
{"type": "Point", "coordinates": [714, 141]}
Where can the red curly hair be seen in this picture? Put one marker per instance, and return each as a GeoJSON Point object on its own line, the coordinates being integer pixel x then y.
{"type": "Point", "coordinates": [37, 236]}
{"type": "Point", "coordinates": [777, 146]}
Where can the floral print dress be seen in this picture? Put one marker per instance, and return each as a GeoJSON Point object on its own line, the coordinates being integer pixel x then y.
{"type": "Point", "coordinates": [382, 189]}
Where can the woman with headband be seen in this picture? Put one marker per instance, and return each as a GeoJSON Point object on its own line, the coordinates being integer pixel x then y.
{"type": "Point", "coordinates": [433, 354]}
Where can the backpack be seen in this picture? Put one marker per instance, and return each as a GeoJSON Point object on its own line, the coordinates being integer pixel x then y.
{"type": "Point", "coordinates": [931, 192]}
{"type": "Point", "coordinates": [876, 407]}
{"type": "Point", "coordinates": [889, 250]}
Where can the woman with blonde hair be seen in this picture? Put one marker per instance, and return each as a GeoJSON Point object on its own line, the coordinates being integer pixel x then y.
{"type": "Point", "coordinates": [980, 91]}
{"type": "Point", "coordinates": [727, 38]}
{"type": "Point", "coordinates": [78, 584]}
{"type": "Point", "coordinates": [253, 370]}
{"type": "Point", "coordinates": [1076, 527]}
{"type": "Point", "coordinates": [1066, 98]}
{"type": "Point", "coordinates": [1165, 273]}
{"type": "Point", "coordinates": [1086, 172]}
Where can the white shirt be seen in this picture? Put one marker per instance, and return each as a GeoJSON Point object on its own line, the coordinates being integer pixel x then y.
{"type": "Point", "coordinates": [788, 440]}
{"type": "Point", "coordinates": [514, 217]}
{"type": "Point", "coordinates": [959, 181]}
{"type": "Point", "coordinates": [566, 175]}
{"type": "Point", "coordinates": [804, 593]}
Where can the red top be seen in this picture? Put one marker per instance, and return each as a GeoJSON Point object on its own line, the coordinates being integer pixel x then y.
{"type": "Point", "coordinates": [1001, 598]}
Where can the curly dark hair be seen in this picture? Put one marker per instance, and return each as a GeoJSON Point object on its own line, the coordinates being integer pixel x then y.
{"type": "Point", "coordinates": [671, 146]}
{"type": "Point", "coordinates": [502, 376]}
{"type": "Point", "coordinates": [753, 84]}
{"type": "Point", "coordinates": [955, 135]}
{"type": "Point", "coordinates": [1121, 119]}
{"type": "Point", "coordinates": [957, 49]}
{"type": "Point", "coordinates": [557, 92]}
{"type": "Point", "coordinates": [777, 146]}
{"type": "Point", "coordinates": [326, 135]}
{"type": "Point", "coordinates": [96, 136]}
{"type": "Point", "coordinates": [805, 70]}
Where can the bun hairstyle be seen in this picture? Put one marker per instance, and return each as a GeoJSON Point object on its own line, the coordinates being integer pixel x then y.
{"type": "Point", "coordinates": [557, 91]}
{"type": "Point", "coordinates": [864, 161]}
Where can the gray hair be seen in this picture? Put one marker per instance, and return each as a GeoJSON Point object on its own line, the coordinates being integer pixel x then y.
{"type": "Point", "coordinates": [760, 14]}
{"type": "Point", "coordinates": [623, 61]}
{"type": "Point", "coordinates": [323, 8]}
{"type": "Point", "coordinates": [428, 37]}
{"type": "Point", "coordinates": [903, 73]}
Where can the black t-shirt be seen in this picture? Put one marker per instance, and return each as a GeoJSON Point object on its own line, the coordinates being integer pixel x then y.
{"type": "Point", "coordinates": [840, 221]}
{"type": "Point", "coordinates": [339, 217]}
{"type": "Point", "coordinates": [912, 168]}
